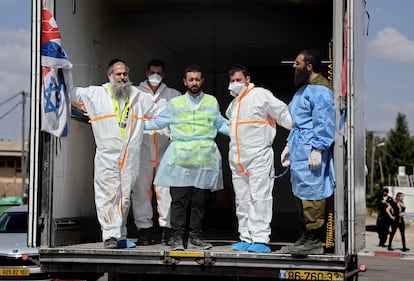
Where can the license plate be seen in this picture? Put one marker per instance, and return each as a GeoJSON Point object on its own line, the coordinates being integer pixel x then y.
{"type": "Point", "coordinates": [310, 275]}
{"type": "Point", "coordinates": [14, 272]}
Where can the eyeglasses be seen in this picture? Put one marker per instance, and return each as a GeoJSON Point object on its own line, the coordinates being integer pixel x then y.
{"type": "Point", "coordinates": [297, 63]}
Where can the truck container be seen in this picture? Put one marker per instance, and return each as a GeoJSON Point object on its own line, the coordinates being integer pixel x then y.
{"type": "Point", "coordinates": [264, 35]}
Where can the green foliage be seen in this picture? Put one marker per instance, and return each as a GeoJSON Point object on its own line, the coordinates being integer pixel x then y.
{"type": "Point", "coordinates": [399, 147]}
{"type": "Point", "coordinates": [373, 152]}
{"type": "Point", "coordinates": [385, 155]}
{"type": "Point", "coordinates": [372, 200]}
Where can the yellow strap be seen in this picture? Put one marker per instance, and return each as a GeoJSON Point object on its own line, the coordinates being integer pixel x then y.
{"type": "Point", "coordinates": [120, 117]}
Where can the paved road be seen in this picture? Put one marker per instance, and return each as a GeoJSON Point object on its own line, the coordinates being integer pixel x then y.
{"type": "Point", "coordinates": [386, 269]}
{"type": "Point", "coordinates": [384, 265]}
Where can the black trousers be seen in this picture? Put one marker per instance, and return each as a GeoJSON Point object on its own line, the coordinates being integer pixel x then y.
{"type": "Point", "coordinates": [383, 228]}
{"type": "Point", "coordinates": [181, 198]}
{"type": "Point", "coordinates": [394, 226]}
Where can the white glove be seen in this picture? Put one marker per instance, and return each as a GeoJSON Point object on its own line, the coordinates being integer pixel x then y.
{"type": "Point", "coordinates": [315, 159]}
{"type": "Point", "coordinates": [285, 157]}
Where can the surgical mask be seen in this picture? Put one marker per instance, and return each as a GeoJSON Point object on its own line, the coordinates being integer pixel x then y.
{"type": "Point", "coordinates": [154, 79]}
{"type": "Point", "coordinates": [236, 88]}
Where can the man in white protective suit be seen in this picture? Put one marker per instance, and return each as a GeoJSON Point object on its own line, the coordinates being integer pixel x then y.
{"type": "Point", "coordinates": [116, 111]}
{"type": "Point", "coordinates": [154, 144]}
{"type": "Point", "coordinates": [253, 115]}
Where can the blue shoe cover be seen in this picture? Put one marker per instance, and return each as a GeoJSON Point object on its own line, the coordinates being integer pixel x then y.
{"type": "Point", "coordinates": [259, 248]}
{"type": "Point", "coordinates": [125, 243]}
{"type": "Point", "coordinates": [240, 246]}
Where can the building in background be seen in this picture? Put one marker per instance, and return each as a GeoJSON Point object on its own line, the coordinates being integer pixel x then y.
{"type": "Point", "coordinates": [11, 176]}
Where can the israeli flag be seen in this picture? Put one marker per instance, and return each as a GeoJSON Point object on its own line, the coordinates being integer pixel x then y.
{"type": "Point", "coordinates": [56, 79]}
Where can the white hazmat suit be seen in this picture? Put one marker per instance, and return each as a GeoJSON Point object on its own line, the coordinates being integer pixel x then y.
{"type": "Point", "coordinates": [154, 144]}
{"type": "Point", "coordinates": [253, 117]}
{"type": "Point", "coordinates": [116, 158]}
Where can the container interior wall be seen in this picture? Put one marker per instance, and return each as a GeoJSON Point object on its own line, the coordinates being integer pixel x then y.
{"type": "Point", "coordinates": [212, 34]}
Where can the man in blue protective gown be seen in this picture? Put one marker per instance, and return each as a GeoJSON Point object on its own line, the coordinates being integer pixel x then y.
{"type": "Point", "coordinates": [309, 151]}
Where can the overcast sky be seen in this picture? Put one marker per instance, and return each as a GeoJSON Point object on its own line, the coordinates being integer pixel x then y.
{"type": "Point", "coordinates": [390, 64]}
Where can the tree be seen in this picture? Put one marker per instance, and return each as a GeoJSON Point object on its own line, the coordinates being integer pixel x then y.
{"type": "Point", "coordinates": [399, 147]}
{"type": "Point", "coordinates": [373, 153]}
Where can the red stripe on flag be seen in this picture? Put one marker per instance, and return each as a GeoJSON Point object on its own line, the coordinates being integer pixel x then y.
{"type": "Point", "coordinates": [50, 31]}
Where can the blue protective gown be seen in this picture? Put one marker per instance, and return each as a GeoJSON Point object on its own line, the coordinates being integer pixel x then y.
{"type": "Point", "coordinates": [313, 116]}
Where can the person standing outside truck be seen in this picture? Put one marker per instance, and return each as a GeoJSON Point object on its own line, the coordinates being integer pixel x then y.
{"type": "Point", "coordinates": [116, 111]}
{"type": "Point", "coordinates": [383, 219]}
{"type": "Point", "coordinates": [309, 150]}
{"type": "Point", "coordinates": [396, 211]}
{"type": "Point", "coordinates": [192, 162]}
{"type": "Point", "coordinates": [154, 144]}
{"type": "Point", "coordinates": [253, 114]}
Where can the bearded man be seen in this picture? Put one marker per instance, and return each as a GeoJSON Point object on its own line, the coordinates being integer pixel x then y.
{"type": "Point", "coordinates": [191, 165]}
{"type": "Point", "coordinates": [116, 112]}
{"type": "Point", "coordinates": [309, 151]}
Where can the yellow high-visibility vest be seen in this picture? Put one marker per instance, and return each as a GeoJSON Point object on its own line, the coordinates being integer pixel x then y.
{"type": "Point", "coordinates": [121, 117]}
{"type": "Point", "coordinates": [193, 131]}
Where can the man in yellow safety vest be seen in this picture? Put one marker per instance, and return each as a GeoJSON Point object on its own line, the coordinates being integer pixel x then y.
{"type": "Point", "coordinates": [191, 165]}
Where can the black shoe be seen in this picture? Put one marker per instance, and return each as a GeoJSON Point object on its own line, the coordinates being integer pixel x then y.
{"type": "Point", "coordinates": [405, 249]}
{"type": "Point", "coordinates": [177, 244]}
{"type": "Point", "coordinates": [166, 238]}
{"type": "Point", "coordinates": [170, 241]}
{"type": "Point", "coordinates": [390, 249]}
{"type": "Point", "coordinates": [111, 243]}
{"type": "Point", "coordinates": [144, 237]}
{"type": "Point", "coordinates": [197, 243]}
{"type": "Point", "coordinates": [143, 241]}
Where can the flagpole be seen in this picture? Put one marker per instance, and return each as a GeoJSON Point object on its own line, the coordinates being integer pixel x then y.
{"type": "Point", "coordinates": [23, 164]}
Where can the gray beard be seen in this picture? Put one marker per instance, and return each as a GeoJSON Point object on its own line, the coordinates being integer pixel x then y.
{"type": "Point", "coordinates": [121, 90]}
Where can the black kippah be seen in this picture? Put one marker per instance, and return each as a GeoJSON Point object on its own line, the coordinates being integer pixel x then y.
{"type": "Point", "coordinates": [114, 61]}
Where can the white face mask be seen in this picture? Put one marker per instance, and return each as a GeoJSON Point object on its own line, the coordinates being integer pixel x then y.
{"type": "Point", "coordinates": [236, 88]}
{"type": "Point", "coordinates": [154, 79]}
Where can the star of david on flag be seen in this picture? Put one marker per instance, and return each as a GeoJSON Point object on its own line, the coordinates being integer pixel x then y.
{"type": "Point", "coordinates": [56, 79]}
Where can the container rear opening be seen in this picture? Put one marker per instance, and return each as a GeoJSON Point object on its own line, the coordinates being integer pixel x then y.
{"type": "Point", "coordinates": [265, 36]}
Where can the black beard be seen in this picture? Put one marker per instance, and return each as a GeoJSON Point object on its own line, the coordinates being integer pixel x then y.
{"type": "Point", "coordinates": [301, 77]}
{"type": "Point", "coordinates": [194, 90]}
